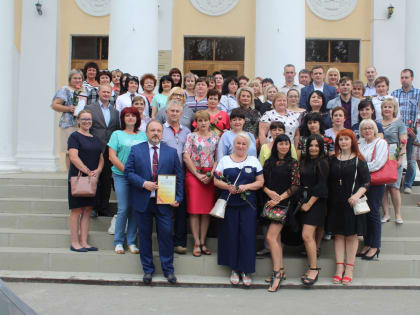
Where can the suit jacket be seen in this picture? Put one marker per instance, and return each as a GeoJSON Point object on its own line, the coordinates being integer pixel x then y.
{"type": "Point", "coordinates": [138, 169]}
{"type": "Point", "coordinates": [354, 107]}
{"type": "Point", "coordinates": [99, 127]}
{"type": "Point", "coordinates": [329, 92]}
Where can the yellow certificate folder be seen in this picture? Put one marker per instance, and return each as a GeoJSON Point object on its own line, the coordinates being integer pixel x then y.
{"type": "Point", "coordinates": [167, 189]}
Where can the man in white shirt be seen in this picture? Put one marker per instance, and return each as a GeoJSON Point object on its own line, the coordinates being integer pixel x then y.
{"type": "Point", "coordinates": [289, 73]}
{"type": "Point", "coordinates": [370, 85]}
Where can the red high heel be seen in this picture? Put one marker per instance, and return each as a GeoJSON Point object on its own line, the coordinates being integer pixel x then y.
{"type": "Point", "coordinates": [338, 279]}
{"type": "Point", "coordinates": [347, 280]}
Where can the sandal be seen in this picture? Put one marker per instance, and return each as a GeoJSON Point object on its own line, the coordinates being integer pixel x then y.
{"type": "Point", "coordinates": [205, 250]}
{"type": "Point", "coordinates": [309, 282]}
{"type": "Point", "coordinates": [348, 280]}
{"type": "Point", "coordinates": [234, 278]}
{"type": "Point", "coordinates": [270, 278]}
{"type": "Point", "coordinates": [246, 279]}
{"type": "Point", "coordinates": [337, 279]}
{"type": "Point", "coordinates": [196, 251]}
{"type": "Point", "coordinates": [280, 275]}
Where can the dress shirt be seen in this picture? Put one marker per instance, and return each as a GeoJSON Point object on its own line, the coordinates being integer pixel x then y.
{"type": "Point", "coordinates": [286, 88]}
{"type": "Point", "coordinates": [370, 90]}
{"type": "Point", "coordinates": [381, 153]}
{"type": "Point", "coordinates": [151, 152]}
{"type": "Point", "coordinates": [409, 104]}
{"type": "Point", "coordinates": [347, 108]}
{"type": "Point", "coordinates": [124, 101]}
{"type": "Point", "coordinates": [318, 88]}
{"type": "Point", "coordinates": [106, 112]}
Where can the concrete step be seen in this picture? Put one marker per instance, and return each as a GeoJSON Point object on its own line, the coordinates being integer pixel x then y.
{"type": "Point", "coordinates": [199, 281]}
{"type": "Point", "coordinates": [408, 229]}
{"type": "Point", "coordinates": [57, 259]}
{"type": "Point", "coordinates": [41, 179]}
{"type": "Point", "coordinates": [36, 205]}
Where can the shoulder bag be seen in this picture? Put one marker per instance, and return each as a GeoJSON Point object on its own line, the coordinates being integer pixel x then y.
{"type": "Point", "coordinates": [361, 206]}
{"type": "Point", "coordinates": [388, 174]}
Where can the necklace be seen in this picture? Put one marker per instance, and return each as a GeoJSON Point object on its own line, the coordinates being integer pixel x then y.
{"type": "Point", "coordinates": [340, 181]}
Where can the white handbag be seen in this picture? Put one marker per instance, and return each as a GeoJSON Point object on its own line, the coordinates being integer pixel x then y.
{"type": "Point", "coordinates": [219, 208]}
{"type": "Point", "coordinates": [361, 206]}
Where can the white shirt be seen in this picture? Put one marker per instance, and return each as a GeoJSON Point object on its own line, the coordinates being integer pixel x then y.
{"type": "Point", "coordinates": [152, 152]}
{"type": "Point", "coordinates": [286, 88]}
{"type": "Point", "coordinates": [381, 153]}
{"type": "Point", "coordinates": [377, 102]}
{"type": "Point", "coordinates": [318, 88]}
{"type": "Point", "coordinates": [370, 91]}
{"type": "Point", "coordinates": [124, 101]}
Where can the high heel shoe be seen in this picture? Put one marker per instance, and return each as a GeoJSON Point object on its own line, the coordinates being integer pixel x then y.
{"type": "Point", "coordinates": [270, 278]}
{"type": "Point", "coordinates": [347, 280]}
{"type": "Point", "coordinates": [373, 256]}
{"type": "Point", "coordinates": [362, 254]}
{"type": "Point", "coordinates": [280, 275]}
{"type": "Point", "coordinates": [337, 279]}
{"type": "Point", "coordinates": [309, 282]}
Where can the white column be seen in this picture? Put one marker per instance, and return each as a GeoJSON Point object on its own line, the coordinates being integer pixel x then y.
{"type": "Point", "coordinates": [279, 37]}
{"type": "Point", "coordinates": [133, 36]}
{"type": "Point", "coordinates": [7, 104]}
{"type": "Point", "coordinates": [36, 122]}
{"type": "Point", "coordinates": [412, 44]}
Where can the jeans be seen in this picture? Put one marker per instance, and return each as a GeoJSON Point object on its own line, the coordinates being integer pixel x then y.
{"type": "Point", "coordinates": [410, 175]}
{"type": "Point", "coordinates": [122, 190]}
{"type": "Point", "coordinates": [373, 219]}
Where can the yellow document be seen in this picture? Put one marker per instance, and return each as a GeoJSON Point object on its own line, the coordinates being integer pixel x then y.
{"type": "Point", "coordinates": [167, 189]}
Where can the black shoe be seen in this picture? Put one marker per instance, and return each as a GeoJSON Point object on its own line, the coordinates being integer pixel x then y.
{"type": "Point", "coordinates": [362, 254]}
{"type": "Point", "coordinates": [94, 214]}
{"type": "Point", "coordinates": [309, 282]}
{"type": "Point", "coordinates": [171, 278]}
{"type": "Point", "coordinates": [365, 257]}
{"type": "Point", "coordinates": [79, 250]}
{"type": "Point", "coordinates": [147, 278]}
{"type": "Point", "coordinates": [91, 249]}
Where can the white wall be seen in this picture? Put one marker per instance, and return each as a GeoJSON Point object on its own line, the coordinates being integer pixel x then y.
{"type": "Point", "coordinates": [412, 39]}
{"type": "Point", "coordinates": [165, 14]}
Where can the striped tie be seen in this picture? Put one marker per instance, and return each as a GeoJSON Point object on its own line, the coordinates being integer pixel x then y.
{"type": "Point", "coordinates": [155, 163]}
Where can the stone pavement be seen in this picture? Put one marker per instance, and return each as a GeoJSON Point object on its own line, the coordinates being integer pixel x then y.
{"type": "Point", "coordinates": [63, 299]}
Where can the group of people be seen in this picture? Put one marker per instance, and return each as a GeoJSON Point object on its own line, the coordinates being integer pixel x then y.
{"type": "Point", "coordinates": [295, 158]}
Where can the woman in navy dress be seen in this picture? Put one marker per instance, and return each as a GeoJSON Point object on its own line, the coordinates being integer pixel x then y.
{"type": "Point", "coordinates": [237, 231]}
{"type": "Point", "coordinates": [85, 152]}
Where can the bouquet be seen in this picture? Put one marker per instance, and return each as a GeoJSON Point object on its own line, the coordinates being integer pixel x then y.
{"type": "Point", "coordinates": [225, 179]}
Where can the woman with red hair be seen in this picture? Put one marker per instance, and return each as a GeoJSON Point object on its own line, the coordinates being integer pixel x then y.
{"type": "Point", "coordinates": [120, 145]}
{"type": "Point", "coordinates": [347, 167]}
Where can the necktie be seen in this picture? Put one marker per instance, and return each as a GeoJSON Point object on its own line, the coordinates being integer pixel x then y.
{"type": "Point", "coordinates": [155, 164]}
{"type": "Point", "coordinates": [132, 96]}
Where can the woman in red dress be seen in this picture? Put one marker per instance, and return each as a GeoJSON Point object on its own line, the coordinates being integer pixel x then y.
{"type": "Point", "coordinates": [200, 156]}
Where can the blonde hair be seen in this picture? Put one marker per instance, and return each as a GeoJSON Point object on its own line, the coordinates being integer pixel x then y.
{"type": "Point", "coordinates": [268, 88]}
{"type": "Point", "coordinates": [244, 135]}
{"type": "Point", "coordinates": [332, 70]}
{"type": "Point", "coordinates": [254, 83]}
{"type": "Point", "coordinates": [174, 90]}
{"type": "Point", "coordinates": [368, 122]}
{"type": "Point", "coordinates": [245, 89]}
{"type": "Point", "coordinates": [202, 114]}
{"type": "Point", "coordinates": [279, 94]}
{"type": "Point", "coordinates": [393, 101]}
{"type": "Point", "coordinates": [74, 72]}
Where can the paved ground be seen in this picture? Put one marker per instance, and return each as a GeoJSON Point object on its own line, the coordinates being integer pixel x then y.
{"type": "Point", "coordinates": [77, 299]}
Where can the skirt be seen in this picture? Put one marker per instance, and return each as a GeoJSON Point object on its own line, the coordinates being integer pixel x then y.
{"type": "Point", "coordinates": [200, 197]}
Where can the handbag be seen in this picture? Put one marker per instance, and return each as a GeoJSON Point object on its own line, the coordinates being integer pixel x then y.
{"type": "Point", "coordinates": [219, 208]}
{"type": "Point", "coordinates": [361, 206]}
{"type": "Point", "coordinates": [388, 174]}
{"type": "Point", "coordinates": [83, 186]}
{"type": "Point", "coordinates": [277, 213]}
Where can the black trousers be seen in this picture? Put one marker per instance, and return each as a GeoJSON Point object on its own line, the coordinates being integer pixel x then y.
{"type": "Point", "coordinates": [103, 192]}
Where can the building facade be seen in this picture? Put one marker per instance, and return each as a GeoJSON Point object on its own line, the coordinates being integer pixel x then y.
{"type": "Point", "coordinates": [252, 37]}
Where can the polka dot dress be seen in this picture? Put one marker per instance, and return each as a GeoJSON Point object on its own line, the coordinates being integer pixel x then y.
{"type": "Point", "coordinates": [290, 121]}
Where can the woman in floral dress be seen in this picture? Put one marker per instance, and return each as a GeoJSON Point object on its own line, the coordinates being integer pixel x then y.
{"type": "Point", "coordinates": [199, 156]}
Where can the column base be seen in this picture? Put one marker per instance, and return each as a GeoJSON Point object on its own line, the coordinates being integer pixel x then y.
{"type": "Point", "coordinates": [38, 162]}
{"type": "Point", "coordinates": [8, 165]}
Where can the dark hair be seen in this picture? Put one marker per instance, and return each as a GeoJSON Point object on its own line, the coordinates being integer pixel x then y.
{"type": "Point", "coordinates": [267, 80]}
{"type": "Point", "coordinates": [237, 113]}
{"type": "Point", "coordinates": [135, 112]}
{"type": "Point", "coordinates": [243, 77]}
{"type": "Point", "coordinates": [146, 76]}
{"type": "Point", "coordinates": [123, 85]}
{"type": "Point", "coordinates": [306, 158]}
{"type": "Point", "coordinates": [165, 78]}
{"type": "Point", "coordinates": [202, 79]}
{"type": "Point", "coordinates": [408, 70]}
{"type": "Point", "coordinates": [363, 104]}
{"type": "Point", "coordinates": [212, 92]}
{"type": "Point", "coordinates": [277, 124]}
{"type": "Point", "coordinates": [380, 80]}
{"type": "Point", "coordinates": [176, 70]}
{"type": "Point", "coordinates": [131, 78]}
{"type": "Point", "coordinates": [336, 109]}
{"type": "Point", "coordinates": [311, 116]}
{"type": "Point", "coordinates": [323, 108]}
{"type": "Point", "coordinates": [216, 73]}
{"type": "Point", "coordinates": [88, 65]}
{"type": "Point", "coordinates": [344, 80]}
{"type": "Point", "coordinates": [104, 72]}
{"type": "Point", "coordinates": [225, 88]}
{"type": "Point", "coordinates": [274, 151]}
{"type": "Point", "coordinates": [317, 67]}
{"type": "Point", "coordinates": [304, 71]}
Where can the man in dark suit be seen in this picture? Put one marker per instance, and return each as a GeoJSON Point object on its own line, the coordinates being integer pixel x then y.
{"type": "Point", "coordinates": [318, 77]}
{"type": "Point", "coordinates": [105, 120]}
{"type": "Point", "coordinates": [146, 161]}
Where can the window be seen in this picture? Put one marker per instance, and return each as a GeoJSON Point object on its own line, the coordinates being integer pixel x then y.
{"type": "Point", "coordinates": [319, 50]}
{"type": "Point", "coordinates": [89, 48]}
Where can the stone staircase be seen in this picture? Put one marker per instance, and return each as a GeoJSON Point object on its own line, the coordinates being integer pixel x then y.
{"type": "Point", "coordinates": [34, 244]}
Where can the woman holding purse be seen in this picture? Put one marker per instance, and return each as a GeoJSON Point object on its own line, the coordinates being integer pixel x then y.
{"type": "Point", "coordinates": [237, 231]}
{"type": "Point", "coordinates": [314, 171]}
{"type": "Point", "coordinates": [85, 152]}
{"type": "Point", "coordinates": [348, 181]}
{"type": "Point", "coordinates": [279, 165]}
{"type": "Point", "coordinates": [375, 151]}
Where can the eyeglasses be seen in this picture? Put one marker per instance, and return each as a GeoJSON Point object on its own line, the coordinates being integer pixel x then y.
{"type": "Point", "coordinates": [367, 128]}
{"type": "Point", "coordinates": [86, 119]}
{"type": "Point", "coordinates": [178, 95]}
